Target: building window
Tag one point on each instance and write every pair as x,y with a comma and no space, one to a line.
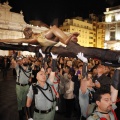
108,18
112,35
113,18
90,42
117,16
90,37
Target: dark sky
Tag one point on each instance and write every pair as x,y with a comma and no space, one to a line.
48,10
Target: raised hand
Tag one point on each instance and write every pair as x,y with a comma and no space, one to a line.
54,56
40,51
81,57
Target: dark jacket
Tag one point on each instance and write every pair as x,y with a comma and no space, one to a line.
103,80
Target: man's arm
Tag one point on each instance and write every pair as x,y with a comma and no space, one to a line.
85,63
29,102
14,63
83,84
28,105
54,67
115,85
114,94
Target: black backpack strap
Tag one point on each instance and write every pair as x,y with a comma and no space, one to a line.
41,89
25,71
35,90
19,73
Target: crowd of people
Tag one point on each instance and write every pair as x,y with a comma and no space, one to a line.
52,84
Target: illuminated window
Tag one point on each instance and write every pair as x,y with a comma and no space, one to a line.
117,16
108,18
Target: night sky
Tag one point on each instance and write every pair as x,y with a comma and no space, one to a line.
48,10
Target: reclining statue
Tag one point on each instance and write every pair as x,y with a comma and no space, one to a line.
47,40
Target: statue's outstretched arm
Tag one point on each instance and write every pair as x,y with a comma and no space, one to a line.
20,40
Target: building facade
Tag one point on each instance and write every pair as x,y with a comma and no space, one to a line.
12,25
112,31
93,33
91,30
100,38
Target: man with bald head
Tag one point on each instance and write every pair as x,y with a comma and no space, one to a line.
42,94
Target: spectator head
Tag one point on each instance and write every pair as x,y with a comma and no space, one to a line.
100,69
41,76
69,63
103,100
48,70
94,71
107,69
67,69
